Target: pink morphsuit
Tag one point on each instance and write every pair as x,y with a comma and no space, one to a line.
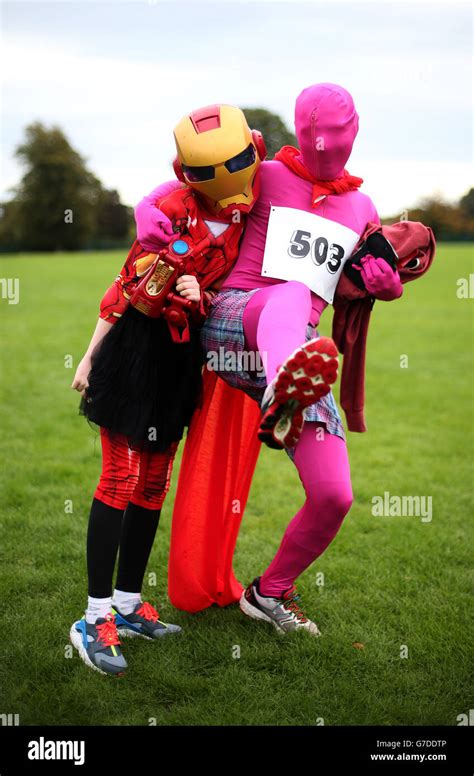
326,124
154,229
275,320
276,316
323,467
380,279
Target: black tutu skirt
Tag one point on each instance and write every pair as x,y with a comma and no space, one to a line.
142,384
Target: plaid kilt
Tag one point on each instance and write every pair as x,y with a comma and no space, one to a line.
223,334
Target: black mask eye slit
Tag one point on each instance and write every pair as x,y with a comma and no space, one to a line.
242,160
197,174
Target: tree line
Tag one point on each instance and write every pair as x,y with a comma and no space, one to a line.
59,204
449,221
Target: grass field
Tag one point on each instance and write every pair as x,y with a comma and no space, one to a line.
388,581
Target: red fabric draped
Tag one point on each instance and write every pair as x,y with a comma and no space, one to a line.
218,463
415,247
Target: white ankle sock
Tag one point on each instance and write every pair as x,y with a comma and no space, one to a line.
126,602
97,607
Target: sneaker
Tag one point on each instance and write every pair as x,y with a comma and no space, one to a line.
303,378
284,613
144,621
98,645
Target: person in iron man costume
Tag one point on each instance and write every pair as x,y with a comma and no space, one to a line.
141,376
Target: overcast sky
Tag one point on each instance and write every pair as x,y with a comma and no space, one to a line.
117,76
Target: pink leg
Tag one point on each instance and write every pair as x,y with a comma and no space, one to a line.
275,321
323,466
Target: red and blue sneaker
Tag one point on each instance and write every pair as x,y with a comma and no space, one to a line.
303,379
98,645
143,621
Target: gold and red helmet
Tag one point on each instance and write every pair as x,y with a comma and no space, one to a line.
218,156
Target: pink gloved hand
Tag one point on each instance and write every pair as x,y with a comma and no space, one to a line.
154,229
380,279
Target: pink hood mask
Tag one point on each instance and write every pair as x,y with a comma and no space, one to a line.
326,124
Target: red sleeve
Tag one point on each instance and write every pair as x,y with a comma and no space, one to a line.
116,299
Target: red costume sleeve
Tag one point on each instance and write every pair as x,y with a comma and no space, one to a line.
116,299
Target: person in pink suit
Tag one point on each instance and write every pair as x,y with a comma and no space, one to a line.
308,219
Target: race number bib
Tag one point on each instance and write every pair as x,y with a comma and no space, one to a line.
303,246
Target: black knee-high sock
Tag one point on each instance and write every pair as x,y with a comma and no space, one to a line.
103,538
136,540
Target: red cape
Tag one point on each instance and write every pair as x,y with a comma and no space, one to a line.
218,463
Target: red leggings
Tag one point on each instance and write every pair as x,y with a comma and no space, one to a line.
127,475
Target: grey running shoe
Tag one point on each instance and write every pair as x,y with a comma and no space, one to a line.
144,621
98,645
284,613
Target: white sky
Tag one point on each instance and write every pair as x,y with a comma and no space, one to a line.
117,76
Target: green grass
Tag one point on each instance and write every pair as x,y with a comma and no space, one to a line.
389,581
